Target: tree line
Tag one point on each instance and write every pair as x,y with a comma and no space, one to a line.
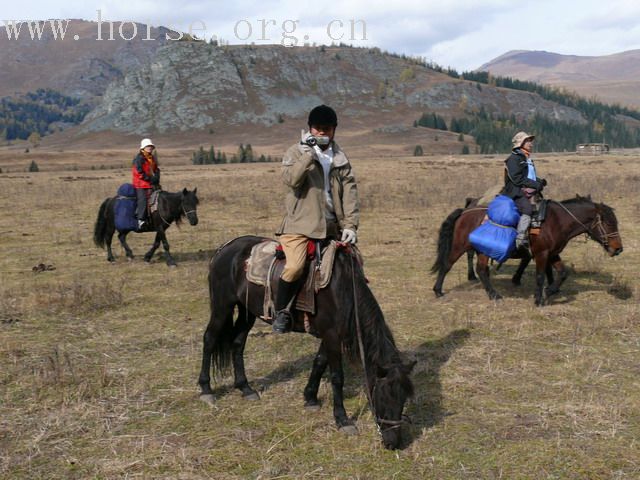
36,111
493,132
244,154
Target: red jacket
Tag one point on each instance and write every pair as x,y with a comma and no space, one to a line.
143,169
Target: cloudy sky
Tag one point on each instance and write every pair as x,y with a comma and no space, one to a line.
462,34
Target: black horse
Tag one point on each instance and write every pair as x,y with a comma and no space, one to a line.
172,207
348,316
565,220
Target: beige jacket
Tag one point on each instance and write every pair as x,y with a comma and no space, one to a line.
305,201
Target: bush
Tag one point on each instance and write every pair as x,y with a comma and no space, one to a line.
465,150
417,151
33,167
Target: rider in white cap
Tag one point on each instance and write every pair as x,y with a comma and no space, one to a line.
146,175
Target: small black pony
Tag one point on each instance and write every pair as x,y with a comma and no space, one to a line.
346,300
172,207
565,220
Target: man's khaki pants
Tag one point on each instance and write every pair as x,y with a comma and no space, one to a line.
295,251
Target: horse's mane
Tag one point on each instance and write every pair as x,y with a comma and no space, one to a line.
578,199
608,214
379,345
176,196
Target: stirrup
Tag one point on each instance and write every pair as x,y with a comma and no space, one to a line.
282,321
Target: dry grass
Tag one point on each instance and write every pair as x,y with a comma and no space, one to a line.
98,362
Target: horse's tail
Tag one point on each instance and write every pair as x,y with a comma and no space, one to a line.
222,300
445,241
100,229
222,348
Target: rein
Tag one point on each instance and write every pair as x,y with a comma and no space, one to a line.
597,223
368,389
186,213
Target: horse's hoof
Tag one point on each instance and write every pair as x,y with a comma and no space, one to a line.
348,430
172,265
253,396
516,283
495,296
473,279
312,406
551,291
129,259
438,293
207,398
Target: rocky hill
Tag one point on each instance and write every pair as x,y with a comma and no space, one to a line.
193,85
81,68
611,78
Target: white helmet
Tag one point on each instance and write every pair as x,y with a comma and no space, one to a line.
145,143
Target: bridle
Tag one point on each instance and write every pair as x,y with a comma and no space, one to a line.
597,225
379,421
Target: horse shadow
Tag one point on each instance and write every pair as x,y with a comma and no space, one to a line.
426,407
576,282
200,255
283,373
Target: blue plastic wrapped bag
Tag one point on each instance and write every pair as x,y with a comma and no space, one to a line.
503,211
125,208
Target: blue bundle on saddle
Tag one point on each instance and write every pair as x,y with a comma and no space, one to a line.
496,237
124,209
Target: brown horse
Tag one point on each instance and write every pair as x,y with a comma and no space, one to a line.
564,221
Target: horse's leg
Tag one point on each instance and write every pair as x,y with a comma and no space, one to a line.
110,230
334,358
311,390
122,236
482,267
152,250
556,263
243,324
471,274
456,252
542,260
165,243
524,261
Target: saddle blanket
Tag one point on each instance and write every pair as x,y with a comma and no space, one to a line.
264,268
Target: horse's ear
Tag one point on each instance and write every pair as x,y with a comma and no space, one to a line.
195,190
382,372
185,191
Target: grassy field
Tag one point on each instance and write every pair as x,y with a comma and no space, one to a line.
99,362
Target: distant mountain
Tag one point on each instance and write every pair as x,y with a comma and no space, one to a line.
611,78
192,92
193,85
79,68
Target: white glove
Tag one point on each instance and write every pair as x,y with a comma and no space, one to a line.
303,147
348,236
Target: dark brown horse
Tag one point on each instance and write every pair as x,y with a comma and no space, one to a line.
564,221
347,316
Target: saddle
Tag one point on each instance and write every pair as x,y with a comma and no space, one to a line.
266,262
539,215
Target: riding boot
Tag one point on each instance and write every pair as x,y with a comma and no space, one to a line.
522,239
283,320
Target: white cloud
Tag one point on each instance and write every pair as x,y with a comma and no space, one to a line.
459,33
